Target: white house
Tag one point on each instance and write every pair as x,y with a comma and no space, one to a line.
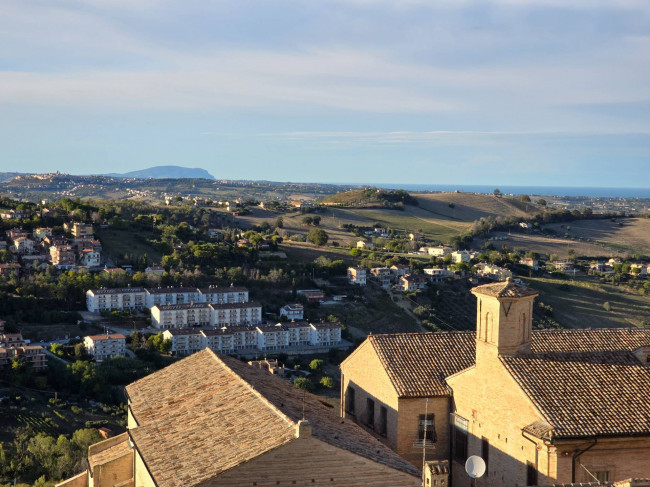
101,347
362,244
437,275
461,256
90,258
357,275
382,275
292,311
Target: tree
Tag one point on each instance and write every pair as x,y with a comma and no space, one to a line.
80,352
316,365
307,220
304,383
525,198
541,202
315,221
317,236
279,222
497,192
328,382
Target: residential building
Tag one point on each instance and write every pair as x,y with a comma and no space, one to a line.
437,275
530,262
362,244
180,315
90,258
312,295
493,272
23,246
461,256
541,407
292,311
638,269
299,333
382,275
272,337
224,294
163,296
155,270
357,275
14,347
15,215
235,425
325,334
101,347
81,229
437,251
412,282
42,232
63,256
185,341
205,314
415,237
98,300
15,233
399,270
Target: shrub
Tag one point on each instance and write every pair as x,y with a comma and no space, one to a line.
316,365
328,382
304,383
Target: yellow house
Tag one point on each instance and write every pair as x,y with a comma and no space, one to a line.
541,407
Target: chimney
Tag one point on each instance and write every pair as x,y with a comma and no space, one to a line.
303,429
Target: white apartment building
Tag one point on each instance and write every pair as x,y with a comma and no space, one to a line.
357,275
437,251
98,300
205,314
325,334
224,295
437,275
90,258
101,347
164,296
247,339
292,311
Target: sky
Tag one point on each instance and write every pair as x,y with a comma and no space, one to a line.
495,92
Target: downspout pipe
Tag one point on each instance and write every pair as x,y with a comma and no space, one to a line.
577,455
536,450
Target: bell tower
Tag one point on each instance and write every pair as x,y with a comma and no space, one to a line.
504,318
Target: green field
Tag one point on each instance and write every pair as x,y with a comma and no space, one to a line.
580,304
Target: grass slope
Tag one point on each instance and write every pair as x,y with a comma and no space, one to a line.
468,207
580,304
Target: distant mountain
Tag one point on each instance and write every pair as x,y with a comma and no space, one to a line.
166,172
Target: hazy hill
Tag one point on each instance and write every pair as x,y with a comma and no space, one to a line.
167,172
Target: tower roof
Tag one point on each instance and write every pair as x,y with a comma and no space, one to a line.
507,289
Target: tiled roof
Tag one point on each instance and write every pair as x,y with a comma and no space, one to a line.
193,426
417,363
113,336
171,290
507,289
586,393
117,290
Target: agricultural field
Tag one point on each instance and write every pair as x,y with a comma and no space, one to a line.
22,407
581,303
546,245
467,207
627,235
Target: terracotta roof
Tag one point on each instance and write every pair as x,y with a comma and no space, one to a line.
507,289
113,336
417,363
586,393
194,426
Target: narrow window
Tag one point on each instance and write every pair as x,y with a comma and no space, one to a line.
426,428
370,413
460,439
531,474
602,476
485,453
349,403
383,421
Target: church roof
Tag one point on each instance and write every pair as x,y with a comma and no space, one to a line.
585,393
193,426
507,289
418,363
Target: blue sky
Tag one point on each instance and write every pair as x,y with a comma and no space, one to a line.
536,92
